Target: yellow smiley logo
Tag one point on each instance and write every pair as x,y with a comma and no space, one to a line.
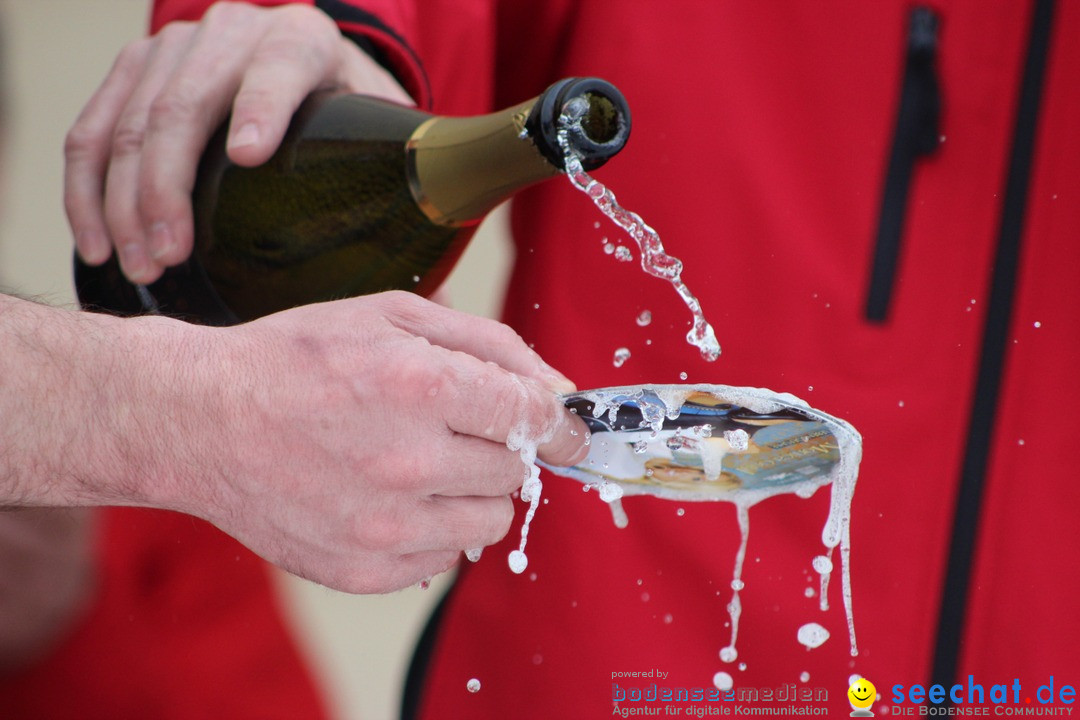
861,695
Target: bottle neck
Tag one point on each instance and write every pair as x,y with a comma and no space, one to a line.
462,168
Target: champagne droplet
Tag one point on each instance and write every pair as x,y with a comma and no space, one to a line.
518,561
812,635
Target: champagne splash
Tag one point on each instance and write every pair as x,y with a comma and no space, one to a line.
729,653
823,566
530,493
654,260
657,403
524,439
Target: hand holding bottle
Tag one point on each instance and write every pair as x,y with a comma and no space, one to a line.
131,156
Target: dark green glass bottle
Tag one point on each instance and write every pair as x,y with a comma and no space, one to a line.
362,196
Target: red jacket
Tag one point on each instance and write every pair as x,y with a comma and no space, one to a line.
185,624
761,151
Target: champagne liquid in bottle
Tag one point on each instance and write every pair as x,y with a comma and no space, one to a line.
362,196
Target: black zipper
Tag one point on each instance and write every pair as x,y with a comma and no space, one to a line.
992,360
916,135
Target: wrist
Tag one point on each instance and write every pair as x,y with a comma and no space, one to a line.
155,415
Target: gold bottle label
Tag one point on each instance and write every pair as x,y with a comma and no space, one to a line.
412,151
461,168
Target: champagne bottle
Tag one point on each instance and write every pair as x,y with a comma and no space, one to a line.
362,196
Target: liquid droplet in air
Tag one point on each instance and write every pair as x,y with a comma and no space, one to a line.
518,561
644,318
474,554
473,685
621,356
812,635
723,681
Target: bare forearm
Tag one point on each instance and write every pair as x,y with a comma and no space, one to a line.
73,397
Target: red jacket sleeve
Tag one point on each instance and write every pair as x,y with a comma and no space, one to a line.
386,29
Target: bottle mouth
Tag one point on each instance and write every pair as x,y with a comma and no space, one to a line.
601,121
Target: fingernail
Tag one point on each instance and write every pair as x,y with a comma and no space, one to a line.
248,134
94,247
162,243
134,261
559,383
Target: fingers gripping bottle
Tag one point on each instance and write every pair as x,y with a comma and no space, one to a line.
363,195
